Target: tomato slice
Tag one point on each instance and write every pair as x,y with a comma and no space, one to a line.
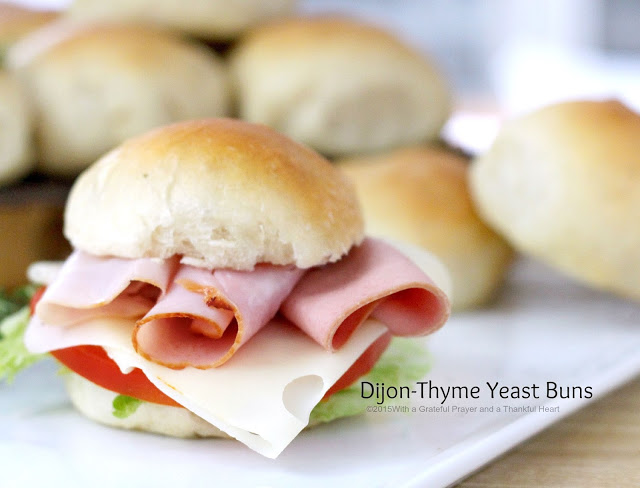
362,366
92,363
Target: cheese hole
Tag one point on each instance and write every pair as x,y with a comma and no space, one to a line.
302,394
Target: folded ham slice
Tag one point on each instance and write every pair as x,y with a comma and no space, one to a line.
90,286
189,316
206,316
374,279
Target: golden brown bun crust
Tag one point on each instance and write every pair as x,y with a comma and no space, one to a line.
208,19
338,85
93,87
17,22
561,183
420,195
220,192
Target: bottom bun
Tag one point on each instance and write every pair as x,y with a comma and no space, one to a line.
96,403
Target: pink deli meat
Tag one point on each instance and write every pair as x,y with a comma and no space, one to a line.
91,286
185,331
375,280
189,316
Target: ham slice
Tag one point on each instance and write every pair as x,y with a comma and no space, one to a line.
206,316
376,280
90,286
189,316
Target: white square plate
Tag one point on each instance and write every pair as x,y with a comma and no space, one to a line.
543,328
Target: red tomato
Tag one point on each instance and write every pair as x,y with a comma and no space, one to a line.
362,366
92,363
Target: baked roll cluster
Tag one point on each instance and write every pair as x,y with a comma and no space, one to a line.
104,72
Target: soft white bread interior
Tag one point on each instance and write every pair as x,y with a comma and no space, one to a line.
222,193
338,85
94,86
207,19
562,184
17,158
420,195
96,403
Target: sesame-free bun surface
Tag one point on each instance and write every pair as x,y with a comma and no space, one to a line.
338,85
16,154
220,192
94,86
420,195
96,403
17,21
207,19
562,184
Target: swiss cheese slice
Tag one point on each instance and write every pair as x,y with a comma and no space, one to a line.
263,396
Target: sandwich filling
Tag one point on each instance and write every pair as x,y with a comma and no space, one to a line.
221,342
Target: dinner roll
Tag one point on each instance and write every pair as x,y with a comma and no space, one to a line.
94,86
221,193
420,195
562,184
17,21
338,85
207,19
16,155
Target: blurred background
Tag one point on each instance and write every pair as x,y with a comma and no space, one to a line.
506,56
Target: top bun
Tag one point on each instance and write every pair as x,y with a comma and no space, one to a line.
207,19
561,184
222,193
341,86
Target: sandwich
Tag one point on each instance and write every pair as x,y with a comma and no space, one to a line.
221,285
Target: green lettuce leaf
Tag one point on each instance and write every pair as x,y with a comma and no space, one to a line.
404,362
124,405
14,356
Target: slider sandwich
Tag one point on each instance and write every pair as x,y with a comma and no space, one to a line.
222,283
